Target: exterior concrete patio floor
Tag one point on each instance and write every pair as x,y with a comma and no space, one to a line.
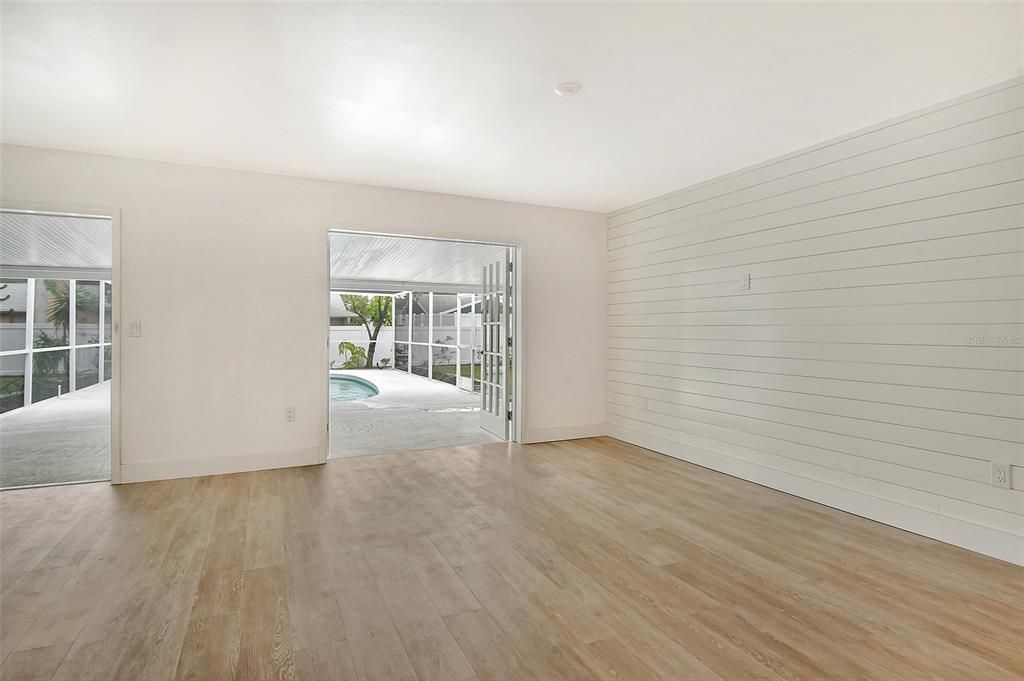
67,439
59,440
411,412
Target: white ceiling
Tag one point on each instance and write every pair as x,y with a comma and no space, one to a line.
35,240
459,98
398,259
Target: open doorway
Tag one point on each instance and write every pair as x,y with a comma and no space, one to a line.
56,348
422,343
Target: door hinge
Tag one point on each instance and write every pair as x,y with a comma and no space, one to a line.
510,341
510,267
509,414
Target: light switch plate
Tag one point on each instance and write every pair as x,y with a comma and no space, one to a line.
745,282
135,329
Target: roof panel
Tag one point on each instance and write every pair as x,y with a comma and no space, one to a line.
40,240
387,258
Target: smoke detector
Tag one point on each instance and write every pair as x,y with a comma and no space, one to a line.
568,89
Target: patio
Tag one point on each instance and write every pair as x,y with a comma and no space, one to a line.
62,439
411,412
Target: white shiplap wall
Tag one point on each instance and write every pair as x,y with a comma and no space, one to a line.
850,373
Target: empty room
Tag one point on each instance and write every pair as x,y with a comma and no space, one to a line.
512,341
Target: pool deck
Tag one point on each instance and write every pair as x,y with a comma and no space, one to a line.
63,439
67,439
411,412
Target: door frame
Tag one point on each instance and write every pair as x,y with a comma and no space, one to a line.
114,215
518,333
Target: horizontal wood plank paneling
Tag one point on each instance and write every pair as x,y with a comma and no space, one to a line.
877,362
972,234
979,106
951,400
967,172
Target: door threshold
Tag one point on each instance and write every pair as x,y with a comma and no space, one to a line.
54,484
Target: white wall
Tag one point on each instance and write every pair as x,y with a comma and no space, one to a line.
852,372
227,271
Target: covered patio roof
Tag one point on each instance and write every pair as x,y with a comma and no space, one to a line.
55,246
386,264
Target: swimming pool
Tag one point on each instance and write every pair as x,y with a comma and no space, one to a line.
347,388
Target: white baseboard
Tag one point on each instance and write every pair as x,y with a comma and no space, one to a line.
986,540
535,435
144,471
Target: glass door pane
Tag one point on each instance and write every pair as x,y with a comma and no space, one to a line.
443,366
12,382
87,312
50,374
87,367
402,356
107,311
402,318
421,360
420,311
52,314
13,307
445,307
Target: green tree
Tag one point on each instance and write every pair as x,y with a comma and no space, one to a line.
374,312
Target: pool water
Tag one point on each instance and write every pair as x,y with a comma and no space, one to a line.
347,388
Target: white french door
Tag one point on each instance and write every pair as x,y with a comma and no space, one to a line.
496,407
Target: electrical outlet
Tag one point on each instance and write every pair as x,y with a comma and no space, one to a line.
1000,474
289,413
745,281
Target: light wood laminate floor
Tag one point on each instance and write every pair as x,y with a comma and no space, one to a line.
581,560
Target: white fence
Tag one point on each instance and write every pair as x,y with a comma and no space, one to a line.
385,348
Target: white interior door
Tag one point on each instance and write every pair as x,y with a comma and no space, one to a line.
496,407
